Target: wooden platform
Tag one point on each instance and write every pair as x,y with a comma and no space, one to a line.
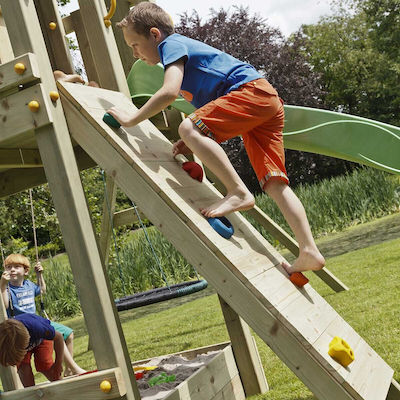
297,324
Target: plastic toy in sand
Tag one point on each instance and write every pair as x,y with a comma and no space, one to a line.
162,378
222,225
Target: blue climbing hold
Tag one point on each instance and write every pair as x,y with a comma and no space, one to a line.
222,226
111,121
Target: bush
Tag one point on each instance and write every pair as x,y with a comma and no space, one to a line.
336,203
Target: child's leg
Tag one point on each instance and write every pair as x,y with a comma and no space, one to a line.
71,367
214,157
26,375
309,257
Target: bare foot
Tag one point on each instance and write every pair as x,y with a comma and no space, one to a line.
308,260
76,371
238,200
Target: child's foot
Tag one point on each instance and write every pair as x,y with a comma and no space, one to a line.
308,260
238,200
76,371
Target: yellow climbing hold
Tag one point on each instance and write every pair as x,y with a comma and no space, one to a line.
34,106
54,95
340,351
105,386
52,26
19,68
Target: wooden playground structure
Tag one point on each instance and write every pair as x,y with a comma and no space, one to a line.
49,132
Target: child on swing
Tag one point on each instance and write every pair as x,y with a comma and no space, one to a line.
19,295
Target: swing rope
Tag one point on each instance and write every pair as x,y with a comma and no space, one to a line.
42,309
115,239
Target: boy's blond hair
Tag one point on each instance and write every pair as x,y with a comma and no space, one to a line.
18,259
14,339
144,16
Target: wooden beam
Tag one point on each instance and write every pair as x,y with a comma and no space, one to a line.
394,391
80,387
104,49
20,158
9,78
58,158
68,24
16,180
6,52
127,217
17,121
56,43
245,352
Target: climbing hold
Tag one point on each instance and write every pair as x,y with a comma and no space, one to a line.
111,121
298,279
34,106
194,170
19,68
105,386
222,226
54,96
340,351
52,26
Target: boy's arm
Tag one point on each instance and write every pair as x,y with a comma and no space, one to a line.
41,282
165,96
5,277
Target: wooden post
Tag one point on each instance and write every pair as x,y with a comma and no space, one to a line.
58,158
54,35
394,391
6,53
245,352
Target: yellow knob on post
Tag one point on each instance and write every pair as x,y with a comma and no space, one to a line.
52,26
105,386
19,68
54,96
34,106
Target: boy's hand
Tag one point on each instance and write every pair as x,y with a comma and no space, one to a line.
55,371
180,147
5,278
124,118
38,267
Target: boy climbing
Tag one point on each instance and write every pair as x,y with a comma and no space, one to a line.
232,99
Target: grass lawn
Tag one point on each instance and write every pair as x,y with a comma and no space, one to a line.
367,263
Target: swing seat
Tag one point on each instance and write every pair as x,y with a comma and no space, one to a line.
160,294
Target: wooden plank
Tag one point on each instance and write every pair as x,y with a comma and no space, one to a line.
209,380
16,119
20,158
232,390
188,231
56,43
10,79
6,52
84,46
81,387
68,24
104,49
245,352
15,180
65,185
127,217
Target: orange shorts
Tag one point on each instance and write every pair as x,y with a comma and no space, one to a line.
255,112
43,356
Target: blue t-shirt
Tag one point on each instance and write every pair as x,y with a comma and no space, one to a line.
209,73
39,328
23,298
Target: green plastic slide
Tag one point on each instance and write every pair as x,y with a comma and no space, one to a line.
317,131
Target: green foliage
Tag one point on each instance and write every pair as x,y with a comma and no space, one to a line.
337,203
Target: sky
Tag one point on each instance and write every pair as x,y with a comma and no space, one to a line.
287,15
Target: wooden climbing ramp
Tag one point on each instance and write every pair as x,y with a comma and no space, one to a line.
297,324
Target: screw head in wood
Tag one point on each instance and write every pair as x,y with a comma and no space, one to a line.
105,386
54,96
52,26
